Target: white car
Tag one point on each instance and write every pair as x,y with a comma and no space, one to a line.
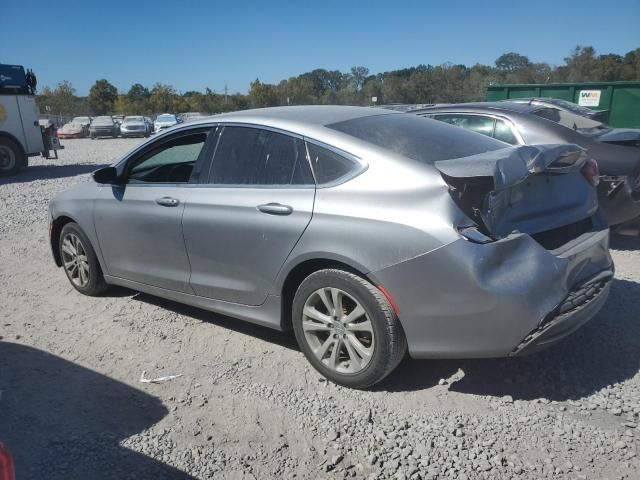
165,120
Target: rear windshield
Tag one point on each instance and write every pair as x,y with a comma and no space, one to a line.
421,139
571,120
166,118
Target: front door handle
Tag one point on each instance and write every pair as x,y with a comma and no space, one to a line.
168,201
275,209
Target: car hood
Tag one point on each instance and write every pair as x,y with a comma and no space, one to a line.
132,124
71,128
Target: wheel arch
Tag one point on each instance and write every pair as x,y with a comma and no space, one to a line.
291,280
54,236
15,140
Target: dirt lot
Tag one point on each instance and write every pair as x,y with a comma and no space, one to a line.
249,406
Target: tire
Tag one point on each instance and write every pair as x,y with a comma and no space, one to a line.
12,158
381,340
91,282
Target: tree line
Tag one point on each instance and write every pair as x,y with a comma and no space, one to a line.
420,84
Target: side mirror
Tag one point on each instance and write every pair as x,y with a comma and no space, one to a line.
107,175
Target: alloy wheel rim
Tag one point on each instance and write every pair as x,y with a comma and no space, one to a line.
7,158
74,258
338,330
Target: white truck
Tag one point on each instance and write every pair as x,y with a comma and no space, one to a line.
21,135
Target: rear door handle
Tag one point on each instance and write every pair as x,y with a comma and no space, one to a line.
275,209
168,201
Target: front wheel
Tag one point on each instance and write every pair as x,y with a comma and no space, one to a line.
346,328
79,261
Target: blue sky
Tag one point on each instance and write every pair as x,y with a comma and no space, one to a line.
192,44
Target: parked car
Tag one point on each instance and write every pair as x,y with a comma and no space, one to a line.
528,124
71,130
134,126
104,126
368,232
163,121
560,104
85,122
192,116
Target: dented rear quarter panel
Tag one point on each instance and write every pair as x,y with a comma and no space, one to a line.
472,300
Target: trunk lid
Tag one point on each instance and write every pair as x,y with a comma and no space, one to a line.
528,189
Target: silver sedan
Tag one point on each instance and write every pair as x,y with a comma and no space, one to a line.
369,233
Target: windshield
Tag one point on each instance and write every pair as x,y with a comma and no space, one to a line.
571,120
421,139
103,121
166,118
133,120
80,120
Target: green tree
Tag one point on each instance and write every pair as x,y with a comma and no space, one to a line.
511,61
358,77
102,97
162,98
263,94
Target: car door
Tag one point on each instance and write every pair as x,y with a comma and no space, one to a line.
139,222
243,221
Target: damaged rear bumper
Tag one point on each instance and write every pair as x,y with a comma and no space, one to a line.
499,299
578,308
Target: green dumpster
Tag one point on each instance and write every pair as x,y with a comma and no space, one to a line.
620,99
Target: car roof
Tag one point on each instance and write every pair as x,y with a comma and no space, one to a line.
317,115
495,107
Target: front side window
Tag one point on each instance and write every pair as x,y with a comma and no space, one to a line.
504,133
253,156
170,162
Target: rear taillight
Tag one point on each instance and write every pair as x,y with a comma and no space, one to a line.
7,470
591,172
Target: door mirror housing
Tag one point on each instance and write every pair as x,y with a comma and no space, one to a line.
107,175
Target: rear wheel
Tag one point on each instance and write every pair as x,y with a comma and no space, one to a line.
12,158
346,328
80,262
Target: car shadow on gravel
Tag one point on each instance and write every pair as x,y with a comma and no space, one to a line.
63,421
603,352
282,339
48,172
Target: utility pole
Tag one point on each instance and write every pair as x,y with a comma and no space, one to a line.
225,93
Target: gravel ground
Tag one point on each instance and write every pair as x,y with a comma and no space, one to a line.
249,406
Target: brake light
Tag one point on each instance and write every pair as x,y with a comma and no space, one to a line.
591,172
7,469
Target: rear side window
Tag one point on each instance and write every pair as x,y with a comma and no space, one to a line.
328,165
253,156
504,133
421,139
475,123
